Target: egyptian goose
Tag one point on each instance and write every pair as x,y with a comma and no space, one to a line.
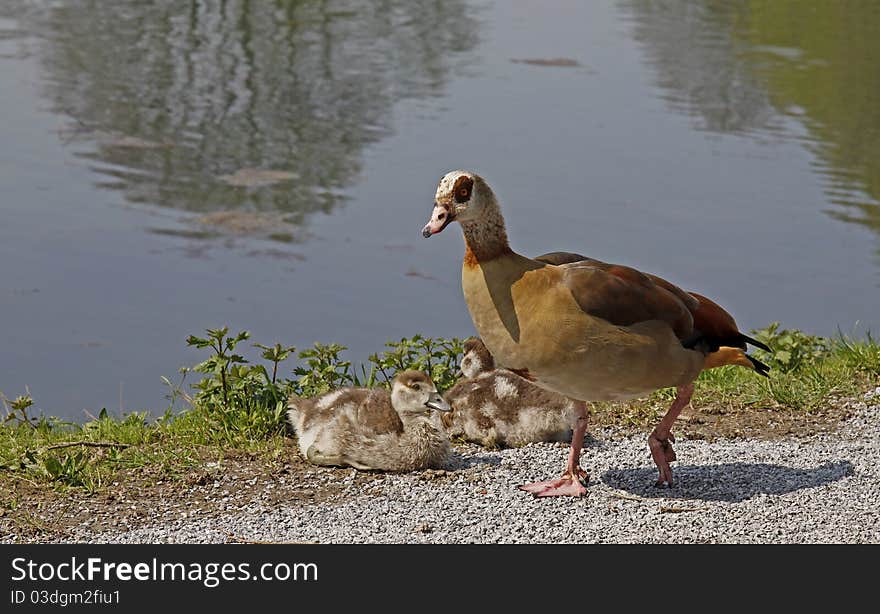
496,407
581,327
373,429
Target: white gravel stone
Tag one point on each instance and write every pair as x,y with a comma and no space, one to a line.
824,488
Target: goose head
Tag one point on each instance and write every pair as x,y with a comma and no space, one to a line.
462,196
413,393
476,358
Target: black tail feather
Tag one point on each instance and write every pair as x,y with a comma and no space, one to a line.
760,367
709,343
756,343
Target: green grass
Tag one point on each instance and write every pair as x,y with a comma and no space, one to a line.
238,406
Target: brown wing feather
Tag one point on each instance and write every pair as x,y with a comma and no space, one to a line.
625,296
710,321
560,258
375,413
718,328
685,297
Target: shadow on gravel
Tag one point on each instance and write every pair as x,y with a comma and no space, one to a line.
728,481
458,462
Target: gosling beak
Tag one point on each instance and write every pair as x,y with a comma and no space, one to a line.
440,218
437,402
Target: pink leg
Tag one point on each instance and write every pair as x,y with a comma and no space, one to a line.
572,481
660,440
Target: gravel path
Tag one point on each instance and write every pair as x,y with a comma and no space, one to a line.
825,488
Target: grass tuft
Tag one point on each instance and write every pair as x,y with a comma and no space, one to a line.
237,405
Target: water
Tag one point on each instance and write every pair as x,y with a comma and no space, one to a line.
732,147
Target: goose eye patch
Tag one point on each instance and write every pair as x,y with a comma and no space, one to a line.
462,188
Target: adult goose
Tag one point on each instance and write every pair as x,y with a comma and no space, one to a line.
581,327
368,428
496,407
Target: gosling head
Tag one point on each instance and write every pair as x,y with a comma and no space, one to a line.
413,393
461,196
476,358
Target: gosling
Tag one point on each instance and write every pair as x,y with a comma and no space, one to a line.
497,408
372,429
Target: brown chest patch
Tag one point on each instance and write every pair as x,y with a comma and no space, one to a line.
470,259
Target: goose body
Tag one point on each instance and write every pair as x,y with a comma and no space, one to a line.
372,428
528,313
496,407
581,327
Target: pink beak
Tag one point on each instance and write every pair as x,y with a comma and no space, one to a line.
440,219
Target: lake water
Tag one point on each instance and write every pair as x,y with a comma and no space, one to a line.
172,166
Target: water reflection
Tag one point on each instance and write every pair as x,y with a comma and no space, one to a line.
233,105
746,66
693,48
834,82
